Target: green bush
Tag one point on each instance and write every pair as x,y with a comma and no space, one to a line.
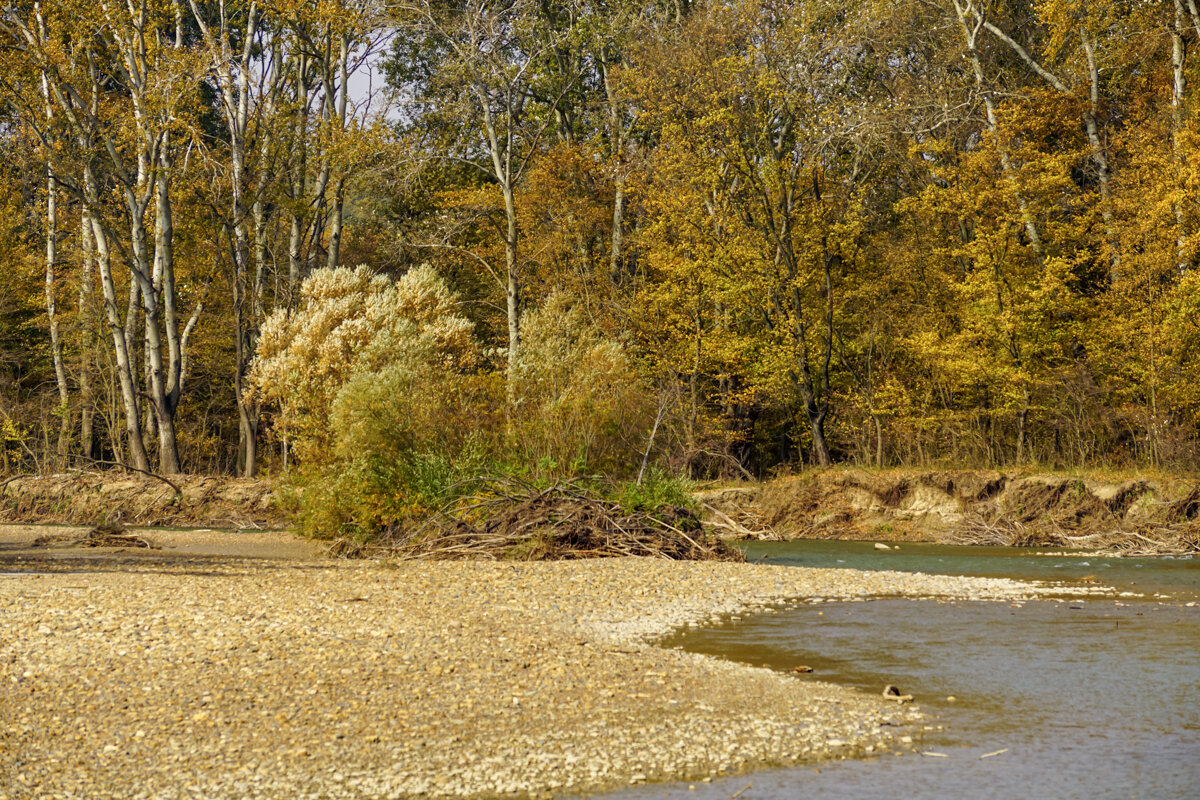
580,405
379,389
658,489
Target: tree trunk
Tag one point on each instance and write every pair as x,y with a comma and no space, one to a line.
1178,93
298,185
247,441
167,379
56,351
617,244
87,403
878,441
512,289
816,421
336,96
1100,157
1090,120
133,428
617,138
334,253
1022,419
970,36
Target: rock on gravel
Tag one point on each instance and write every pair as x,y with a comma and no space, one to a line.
243,678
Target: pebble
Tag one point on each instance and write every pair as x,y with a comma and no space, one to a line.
232,678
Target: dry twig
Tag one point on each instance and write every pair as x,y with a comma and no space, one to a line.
511,519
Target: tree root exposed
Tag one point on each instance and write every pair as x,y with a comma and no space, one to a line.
508,519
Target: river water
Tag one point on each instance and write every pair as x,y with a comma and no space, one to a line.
1087,699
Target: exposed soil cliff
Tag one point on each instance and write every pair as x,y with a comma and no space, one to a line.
90,498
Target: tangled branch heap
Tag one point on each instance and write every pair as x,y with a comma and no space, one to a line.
509,519
1181,538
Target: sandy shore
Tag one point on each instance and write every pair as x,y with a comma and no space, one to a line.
187,676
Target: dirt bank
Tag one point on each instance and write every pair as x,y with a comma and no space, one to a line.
949,505
89,498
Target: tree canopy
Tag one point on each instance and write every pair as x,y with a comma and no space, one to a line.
733,237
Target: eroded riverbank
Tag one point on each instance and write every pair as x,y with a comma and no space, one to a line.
293,678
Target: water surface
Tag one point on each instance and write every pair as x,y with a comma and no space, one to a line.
1178,577
1088,699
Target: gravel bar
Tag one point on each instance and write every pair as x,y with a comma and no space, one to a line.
291,678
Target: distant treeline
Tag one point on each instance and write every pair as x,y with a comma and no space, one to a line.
749,236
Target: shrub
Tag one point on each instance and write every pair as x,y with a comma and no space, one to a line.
658,489
579,403
351,322
376,390
379,390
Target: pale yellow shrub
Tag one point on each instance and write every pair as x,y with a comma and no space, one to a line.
351,322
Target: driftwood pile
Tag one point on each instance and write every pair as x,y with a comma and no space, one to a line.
741,523
105,535
506,519
1170,539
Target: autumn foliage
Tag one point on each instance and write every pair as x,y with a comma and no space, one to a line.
717,239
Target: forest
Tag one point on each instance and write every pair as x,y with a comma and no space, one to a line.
406,241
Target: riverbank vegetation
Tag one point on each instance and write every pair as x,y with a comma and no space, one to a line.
636,239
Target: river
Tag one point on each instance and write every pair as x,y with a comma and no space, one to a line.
1096,698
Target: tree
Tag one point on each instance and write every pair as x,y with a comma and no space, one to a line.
470,69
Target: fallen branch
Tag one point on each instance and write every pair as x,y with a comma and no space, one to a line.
16,477
1178,538
172,484
511,519
728,523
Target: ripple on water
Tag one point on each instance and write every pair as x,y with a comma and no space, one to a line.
1086,699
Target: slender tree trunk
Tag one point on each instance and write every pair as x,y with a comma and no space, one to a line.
337,95
334,224
148,274
512,290
1022,420
617,138
615,268
814,395
56,350
1100,156
167,385
970,37
878,441
247,419
295,257
298,185
1090,120
693,434
1178,93
133,428
233,74
87,403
